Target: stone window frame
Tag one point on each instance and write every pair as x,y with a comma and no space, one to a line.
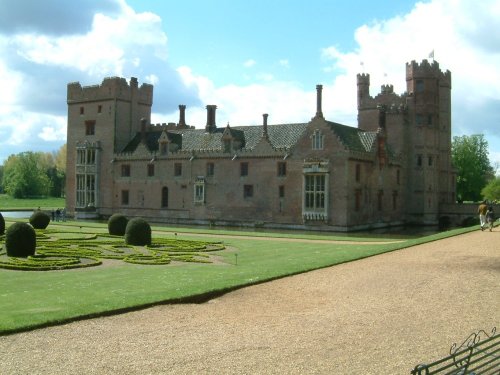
317,140
199,191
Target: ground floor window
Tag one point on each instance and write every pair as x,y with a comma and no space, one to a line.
315,192
125,197
247,191
164,197
315,196
85,190
199,191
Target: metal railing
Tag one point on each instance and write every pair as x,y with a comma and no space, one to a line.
478,354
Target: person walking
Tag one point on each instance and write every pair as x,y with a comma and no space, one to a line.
490,217
481,210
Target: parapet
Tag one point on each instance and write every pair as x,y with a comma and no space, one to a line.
111,88
425,69
363,79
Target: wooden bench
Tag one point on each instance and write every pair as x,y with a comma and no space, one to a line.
478,354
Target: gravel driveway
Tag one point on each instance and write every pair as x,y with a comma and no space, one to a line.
381,315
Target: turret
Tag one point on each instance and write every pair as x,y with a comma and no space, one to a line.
363,88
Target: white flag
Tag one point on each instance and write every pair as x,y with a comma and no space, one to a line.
431,55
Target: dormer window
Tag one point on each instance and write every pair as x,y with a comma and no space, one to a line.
227,145
317,140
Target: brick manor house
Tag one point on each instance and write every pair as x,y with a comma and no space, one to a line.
394,168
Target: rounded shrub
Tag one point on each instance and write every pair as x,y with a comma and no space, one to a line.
2,224
138,232
39,220
117,224
20,240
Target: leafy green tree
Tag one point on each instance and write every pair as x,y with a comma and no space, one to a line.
24,176
492,190
470,157
1,179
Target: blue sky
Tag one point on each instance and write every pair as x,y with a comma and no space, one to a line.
248,58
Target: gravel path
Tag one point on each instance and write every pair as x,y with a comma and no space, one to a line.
380,315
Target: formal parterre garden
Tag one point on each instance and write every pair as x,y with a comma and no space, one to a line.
79,270
61,250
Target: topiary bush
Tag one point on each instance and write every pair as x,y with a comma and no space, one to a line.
39,220
117,224
2,225
138,232
20,240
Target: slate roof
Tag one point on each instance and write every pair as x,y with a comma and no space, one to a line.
283,136
353,138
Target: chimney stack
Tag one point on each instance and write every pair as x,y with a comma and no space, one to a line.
211,118
319,112
264,129
182,116
143,130
381,115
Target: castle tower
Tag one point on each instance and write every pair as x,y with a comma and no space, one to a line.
101,120
430,173
363,81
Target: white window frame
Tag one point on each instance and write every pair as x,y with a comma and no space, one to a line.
199,191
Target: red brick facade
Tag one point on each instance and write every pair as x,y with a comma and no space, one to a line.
394,168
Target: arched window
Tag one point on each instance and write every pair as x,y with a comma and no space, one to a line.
164,197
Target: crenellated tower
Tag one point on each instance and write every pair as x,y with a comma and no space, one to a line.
418,129
101,121
431,176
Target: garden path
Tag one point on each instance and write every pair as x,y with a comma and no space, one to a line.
380,315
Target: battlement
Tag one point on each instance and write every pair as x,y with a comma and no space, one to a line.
111,88
425,69
387,89
363,79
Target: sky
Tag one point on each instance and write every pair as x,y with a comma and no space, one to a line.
246,57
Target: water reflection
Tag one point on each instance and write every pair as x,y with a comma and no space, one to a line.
402,232
17,214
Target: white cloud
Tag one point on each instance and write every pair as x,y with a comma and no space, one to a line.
249,63
459,32
284,63
36,63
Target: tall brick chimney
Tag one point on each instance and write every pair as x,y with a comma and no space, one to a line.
319,112
143,130
264,126
211,118
381,115
182,116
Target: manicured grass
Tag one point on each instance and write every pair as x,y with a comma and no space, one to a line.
39,298
9,203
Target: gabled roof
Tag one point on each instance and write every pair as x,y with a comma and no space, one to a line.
283,136
353,139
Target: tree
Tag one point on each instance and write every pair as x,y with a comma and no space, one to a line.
470,157
1,179
492,190
24,176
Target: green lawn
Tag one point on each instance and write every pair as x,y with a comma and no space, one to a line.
32,299
9,203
